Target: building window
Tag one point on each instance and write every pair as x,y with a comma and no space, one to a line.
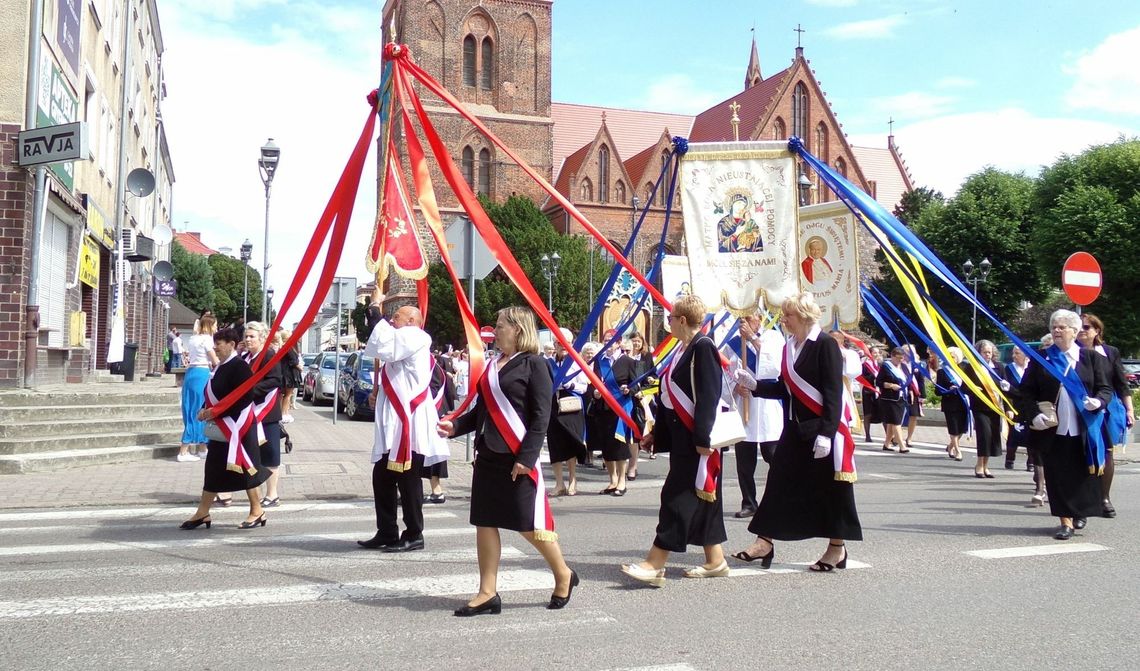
586,191
779,130
487,64
664,162
800,112
619,192
485,172
469,60
604,174
469,166
841,167
648,193
821,142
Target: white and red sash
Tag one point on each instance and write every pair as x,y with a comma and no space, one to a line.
842,444
513,430
237,459
404,402
709,465
261,410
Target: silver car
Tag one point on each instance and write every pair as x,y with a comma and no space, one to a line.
324,380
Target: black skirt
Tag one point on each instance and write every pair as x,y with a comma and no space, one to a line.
957,422
891,411
496,500
219,479
1073,491
438,470
987,429
564,437
684,518
613,448
802,499
870,407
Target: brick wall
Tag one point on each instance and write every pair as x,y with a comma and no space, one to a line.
16,187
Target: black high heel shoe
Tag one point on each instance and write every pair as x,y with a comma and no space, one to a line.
823,567
492,606
765,560
194,524
250,525
557,602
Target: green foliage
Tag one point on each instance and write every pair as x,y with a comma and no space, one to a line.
195,279
357,318
229,278
1091,202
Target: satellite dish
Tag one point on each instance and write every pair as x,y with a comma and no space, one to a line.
162,234
140,182
163,270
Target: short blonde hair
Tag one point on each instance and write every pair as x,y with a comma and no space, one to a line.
955,354
259,328
206,325
692,308
522,319
590,350
803,305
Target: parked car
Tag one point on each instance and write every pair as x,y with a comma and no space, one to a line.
308,359
319,383
1132,372
355,386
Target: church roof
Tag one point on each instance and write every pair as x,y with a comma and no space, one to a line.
636,165
715,123
570,167
885,168
632,130
191,241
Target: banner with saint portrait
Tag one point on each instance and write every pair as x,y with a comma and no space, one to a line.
829,261
675,278
739,204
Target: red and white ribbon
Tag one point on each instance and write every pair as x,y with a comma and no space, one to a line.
237,459
404,402
709,465
842,444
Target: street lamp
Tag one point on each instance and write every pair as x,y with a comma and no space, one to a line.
246,255
983,271
267,165
550,270
268,301
805,189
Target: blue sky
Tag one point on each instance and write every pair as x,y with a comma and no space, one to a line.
1012,84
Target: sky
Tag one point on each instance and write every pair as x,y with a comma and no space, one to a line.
1012,84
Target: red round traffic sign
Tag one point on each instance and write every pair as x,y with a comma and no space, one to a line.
487,334
1081,278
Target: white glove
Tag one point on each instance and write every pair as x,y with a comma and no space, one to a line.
745,379
1038,423
1092,404
822,447
1004,384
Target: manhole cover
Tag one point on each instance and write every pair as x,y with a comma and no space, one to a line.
315,469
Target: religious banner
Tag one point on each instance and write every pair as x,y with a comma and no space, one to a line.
739,204
395,241
829,262
675,277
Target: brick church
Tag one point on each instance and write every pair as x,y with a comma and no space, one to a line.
494,55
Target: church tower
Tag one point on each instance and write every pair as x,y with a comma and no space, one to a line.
753,76
494,56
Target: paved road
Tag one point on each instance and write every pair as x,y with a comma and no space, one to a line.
955,573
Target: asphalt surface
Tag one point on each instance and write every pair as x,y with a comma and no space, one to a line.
121,586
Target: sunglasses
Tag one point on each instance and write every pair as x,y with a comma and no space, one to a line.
1086,327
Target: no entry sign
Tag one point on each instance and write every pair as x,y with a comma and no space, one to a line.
487,334
1081,278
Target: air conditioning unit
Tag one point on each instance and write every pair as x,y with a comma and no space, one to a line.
129,241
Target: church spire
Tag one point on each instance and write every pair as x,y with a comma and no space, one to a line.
753,77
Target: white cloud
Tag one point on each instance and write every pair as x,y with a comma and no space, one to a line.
833,3
955,82
1107,78
679,94
867,29
913,105
234,83
944,151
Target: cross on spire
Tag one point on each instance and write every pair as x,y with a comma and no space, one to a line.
799,34
891,125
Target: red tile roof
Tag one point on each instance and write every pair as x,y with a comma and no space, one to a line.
886,168
715,123
191,241
570,167
631,130
636,165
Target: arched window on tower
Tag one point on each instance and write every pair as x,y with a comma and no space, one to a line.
586,190
487,64
648,193
821,142
841,167
469,166
619,192
800,112
485,172
779,129
469,60
665,162
604,174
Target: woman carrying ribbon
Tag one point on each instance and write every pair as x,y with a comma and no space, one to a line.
566,440
233,460
510,418
892,385
809,492
952,401
987,421
692,508
1066,404
266,406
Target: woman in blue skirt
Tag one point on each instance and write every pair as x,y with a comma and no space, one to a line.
200,359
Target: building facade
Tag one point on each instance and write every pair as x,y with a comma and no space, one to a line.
97,62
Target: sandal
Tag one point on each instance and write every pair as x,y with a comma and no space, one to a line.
823,567
608,491
765,559
225,503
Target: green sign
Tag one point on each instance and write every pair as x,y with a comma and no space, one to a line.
57,104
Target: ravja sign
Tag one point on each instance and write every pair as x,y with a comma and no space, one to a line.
53,144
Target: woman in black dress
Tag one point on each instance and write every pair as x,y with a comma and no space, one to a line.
809,492
683,423
1092,336
566,440
608,432
642,360
870,374
951,401
1074,491
987,422
510,419
221,476
267,405
891,383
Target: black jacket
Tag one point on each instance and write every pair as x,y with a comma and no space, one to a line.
951,400
820,364
274,379
977,405
1039,385
525,381
700,363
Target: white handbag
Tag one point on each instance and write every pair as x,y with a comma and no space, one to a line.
213,432
728,427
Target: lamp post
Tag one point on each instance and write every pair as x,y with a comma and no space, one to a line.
550,270
268,303
805,189
246,255
267,165
982,272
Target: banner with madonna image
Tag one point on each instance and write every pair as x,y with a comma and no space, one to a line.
829,262
739,204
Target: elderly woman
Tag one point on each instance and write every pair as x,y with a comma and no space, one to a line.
200,360
245,473
987,422
891,383
642,360
1091,336
1059,424
690,397
267,405
809,492
566,440
1018,435
952,401
510,419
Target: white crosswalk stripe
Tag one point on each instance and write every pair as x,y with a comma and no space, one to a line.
227,518
1036,550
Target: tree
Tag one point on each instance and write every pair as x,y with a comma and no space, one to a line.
195,279
1091,202
229,280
